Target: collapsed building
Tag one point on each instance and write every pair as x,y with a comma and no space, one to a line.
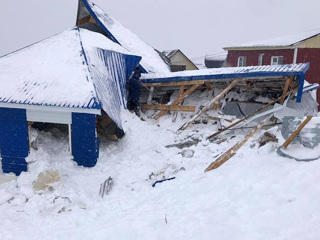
78,78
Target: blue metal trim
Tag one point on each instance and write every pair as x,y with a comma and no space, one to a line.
301,83
95,17
220,76
96,104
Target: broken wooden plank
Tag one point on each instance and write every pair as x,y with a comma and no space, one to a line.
179,99
209,104
285,90
252,114
150,95
172,84
175,114
86,19
208,85
169,108
296,132
233,150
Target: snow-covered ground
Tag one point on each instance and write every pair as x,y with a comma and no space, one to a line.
255,195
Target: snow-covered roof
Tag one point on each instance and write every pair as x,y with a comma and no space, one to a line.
216,56
231,73
284,41
170,53
225,73
151,60
67,70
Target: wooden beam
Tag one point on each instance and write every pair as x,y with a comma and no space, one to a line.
208,85
172,84
179,99
233,150
285,90
209,104
252,114
296,132
169,108
86,19
175,114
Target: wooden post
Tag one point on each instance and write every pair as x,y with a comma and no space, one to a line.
209,104
233,150
296,132
175,114
150,95
252,114
285,90
179,99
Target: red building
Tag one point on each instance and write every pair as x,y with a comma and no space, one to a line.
298,48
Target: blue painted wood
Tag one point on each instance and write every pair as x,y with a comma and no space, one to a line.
13,140
85,145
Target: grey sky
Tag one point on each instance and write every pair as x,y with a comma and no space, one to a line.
196,27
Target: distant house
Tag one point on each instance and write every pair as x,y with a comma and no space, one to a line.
217,60
297,48
179,61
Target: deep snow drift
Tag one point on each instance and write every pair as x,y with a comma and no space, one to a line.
255,195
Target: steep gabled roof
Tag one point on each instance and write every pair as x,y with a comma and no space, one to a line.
68,71
170,53
151,60
284,41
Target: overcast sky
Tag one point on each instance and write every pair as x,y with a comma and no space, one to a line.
197,27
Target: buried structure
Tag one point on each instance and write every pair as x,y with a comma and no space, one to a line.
69,78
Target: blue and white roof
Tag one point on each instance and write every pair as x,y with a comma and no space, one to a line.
69,71
227,73
151,60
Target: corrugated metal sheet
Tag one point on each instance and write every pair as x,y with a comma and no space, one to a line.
151,60
109,71
50,73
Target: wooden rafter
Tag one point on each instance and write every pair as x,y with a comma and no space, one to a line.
175,114
233,150
86,19
296,132
209,104
179,99
208,85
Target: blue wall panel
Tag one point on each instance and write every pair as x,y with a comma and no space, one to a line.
85,147
13,140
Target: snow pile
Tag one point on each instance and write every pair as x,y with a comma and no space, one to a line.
255,195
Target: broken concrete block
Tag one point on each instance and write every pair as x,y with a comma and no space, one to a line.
46,179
